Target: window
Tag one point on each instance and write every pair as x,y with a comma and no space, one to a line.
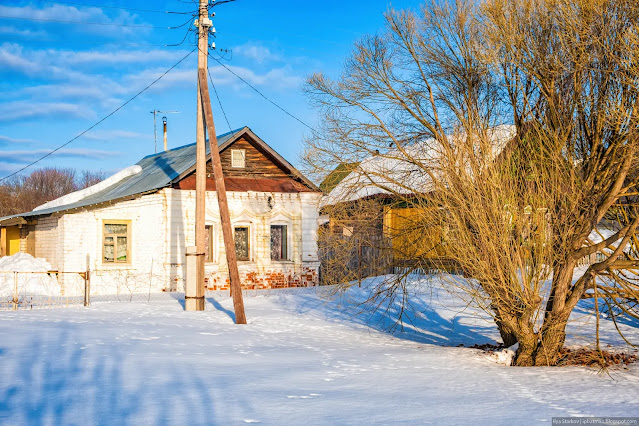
278,242
209,242
242,242
116,242
238,157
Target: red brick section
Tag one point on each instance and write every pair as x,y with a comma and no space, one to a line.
263,281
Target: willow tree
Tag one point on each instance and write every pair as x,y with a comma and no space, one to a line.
520,203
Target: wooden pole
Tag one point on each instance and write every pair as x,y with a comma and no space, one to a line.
195,302
87,282
225,216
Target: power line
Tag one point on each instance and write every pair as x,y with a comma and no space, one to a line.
219,102
43,41
63,21
260,93
101,120
229,124
116,7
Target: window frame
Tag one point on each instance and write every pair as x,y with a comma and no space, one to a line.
241,152
212,254
248,242
115,244
285,246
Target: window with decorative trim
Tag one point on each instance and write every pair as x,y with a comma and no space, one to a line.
238,158
116,241
279,242
209,241
242,245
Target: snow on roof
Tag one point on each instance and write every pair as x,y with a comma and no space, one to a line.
397,172
91,190
150,174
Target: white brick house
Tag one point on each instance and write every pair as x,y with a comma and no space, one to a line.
132,230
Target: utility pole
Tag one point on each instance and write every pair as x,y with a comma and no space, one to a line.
194,297
155,129
225,216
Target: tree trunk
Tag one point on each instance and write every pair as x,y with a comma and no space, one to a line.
524,357
508,335
558,310
548,348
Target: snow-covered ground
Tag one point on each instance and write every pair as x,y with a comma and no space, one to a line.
302,359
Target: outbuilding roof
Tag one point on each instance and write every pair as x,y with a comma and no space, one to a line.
157,171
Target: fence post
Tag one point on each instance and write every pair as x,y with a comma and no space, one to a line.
87,283
15,291
87,288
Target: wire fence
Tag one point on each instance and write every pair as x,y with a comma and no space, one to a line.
32,290
37,290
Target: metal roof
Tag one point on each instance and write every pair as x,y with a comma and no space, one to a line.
158,171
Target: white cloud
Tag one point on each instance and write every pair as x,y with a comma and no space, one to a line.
117,57
6,168
281,78
174,78
86,14
35,63
9,140
22,110
256,52
113,135
21,32
25,156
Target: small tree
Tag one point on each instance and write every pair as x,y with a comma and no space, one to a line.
520,203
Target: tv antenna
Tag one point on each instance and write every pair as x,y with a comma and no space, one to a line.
155,130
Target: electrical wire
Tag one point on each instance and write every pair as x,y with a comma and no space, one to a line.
221,2
229,124
188,30
116,7
63,21
261,94
101,120
219,101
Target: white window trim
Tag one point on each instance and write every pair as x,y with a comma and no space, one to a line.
251,240
238,163
289,241
114,265
213,245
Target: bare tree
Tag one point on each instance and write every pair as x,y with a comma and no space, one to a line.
23,193
89,178
519,204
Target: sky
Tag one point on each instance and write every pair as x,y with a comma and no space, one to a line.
57,79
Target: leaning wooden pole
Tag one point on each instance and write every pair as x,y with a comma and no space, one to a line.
225,216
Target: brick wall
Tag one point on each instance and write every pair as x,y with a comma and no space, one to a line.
47,239
268,279
163,225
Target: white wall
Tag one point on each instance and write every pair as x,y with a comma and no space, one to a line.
163,225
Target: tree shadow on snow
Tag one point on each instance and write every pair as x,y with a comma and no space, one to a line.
64,374
424,319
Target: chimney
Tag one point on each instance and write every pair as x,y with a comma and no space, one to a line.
164,121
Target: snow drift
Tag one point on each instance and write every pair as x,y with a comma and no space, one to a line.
32,276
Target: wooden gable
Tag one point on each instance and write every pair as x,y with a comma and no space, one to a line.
262,172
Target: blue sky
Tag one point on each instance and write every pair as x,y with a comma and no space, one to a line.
57,79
